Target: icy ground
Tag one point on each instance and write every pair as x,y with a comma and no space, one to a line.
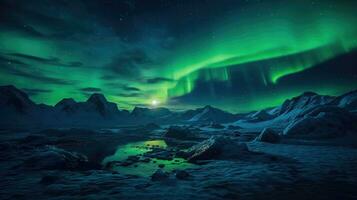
288,170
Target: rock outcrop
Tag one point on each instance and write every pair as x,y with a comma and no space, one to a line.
268,135
217,147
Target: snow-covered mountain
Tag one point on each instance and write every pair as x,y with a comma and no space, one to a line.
18,110
302,108
96,104
208,114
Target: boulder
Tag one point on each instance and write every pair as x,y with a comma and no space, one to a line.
268,135
35,140
52,158
182,174
178,132
217,147
49,179
159,175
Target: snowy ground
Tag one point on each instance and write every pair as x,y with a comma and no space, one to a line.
291,170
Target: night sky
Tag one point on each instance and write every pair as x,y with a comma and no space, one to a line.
233,54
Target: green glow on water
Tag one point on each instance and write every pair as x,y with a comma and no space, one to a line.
145,169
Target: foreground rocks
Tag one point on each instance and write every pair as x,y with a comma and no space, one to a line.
159,175
182,175
216,147
177,132
268,135
53,158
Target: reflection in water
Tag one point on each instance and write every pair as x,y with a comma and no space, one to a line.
144,168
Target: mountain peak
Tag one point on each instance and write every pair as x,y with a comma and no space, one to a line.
11,96
66,101
208,107
308,93
97,97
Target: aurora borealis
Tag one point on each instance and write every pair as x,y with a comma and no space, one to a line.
236,55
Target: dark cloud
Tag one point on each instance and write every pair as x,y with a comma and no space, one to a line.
123,87
108,78
10,61
132,94
130,63
159,80
129,88
11,67
35,76
90,89
29,18
142,105
49,61
33,92
75,64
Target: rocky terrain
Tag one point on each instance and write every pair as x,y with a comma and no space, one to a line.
303,149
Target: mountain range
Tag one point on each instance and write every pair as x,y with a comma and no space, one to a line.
18,110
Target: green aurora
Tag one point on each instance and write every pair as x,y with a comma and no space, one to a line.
271,40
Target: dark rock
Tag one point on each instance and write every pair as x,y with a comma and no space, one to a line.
88,189
133,158
161,154
237,133
178,132
5,146
49,179
145,160
159,175
111,164
50,158
126,163
35,140
142,186
268,135
161,165
182,154
182,174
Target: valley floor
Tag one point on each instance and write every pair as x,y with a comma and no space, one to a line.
289,170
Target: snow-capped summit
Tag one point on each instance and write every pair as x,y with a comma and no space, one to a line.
208,114
305,101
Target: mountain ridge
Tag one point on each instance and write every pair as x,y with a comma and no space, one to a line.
20,110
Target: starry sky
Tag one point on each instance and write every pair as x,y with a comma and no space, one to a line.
238,55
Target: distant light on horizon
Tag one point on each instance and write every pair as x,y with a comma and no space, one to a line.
155,102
